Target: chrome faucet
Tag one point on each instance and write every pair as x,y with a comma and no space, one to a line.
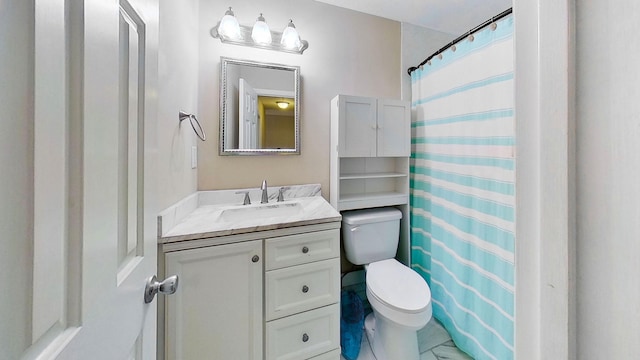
265,195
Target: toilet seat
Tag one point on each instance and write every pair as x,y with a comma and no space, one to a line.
397,286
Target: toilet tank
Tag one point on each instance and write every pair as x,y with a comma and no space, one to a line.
370,235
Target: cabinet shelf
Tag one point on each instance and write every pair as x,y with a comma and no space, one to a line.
368,200
379,175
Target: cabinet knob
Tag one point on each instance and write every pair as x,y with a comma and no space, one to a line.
305,289
305,337
255,258
305,250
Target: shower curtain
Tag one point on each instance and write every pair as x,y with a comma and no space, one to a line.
463,189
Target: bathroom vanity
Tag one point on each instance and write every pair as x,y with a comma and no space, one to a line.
257,281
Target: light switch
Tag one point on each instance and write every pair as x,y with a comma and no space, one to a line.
194,157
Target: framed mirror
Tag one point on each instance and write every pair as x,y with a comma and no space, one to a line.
259,108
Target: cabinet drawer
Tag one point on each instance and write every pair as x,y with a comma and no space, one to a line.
304,287
305,335
302,248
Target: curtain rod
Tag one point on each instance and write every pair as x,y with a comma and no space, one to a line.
461,37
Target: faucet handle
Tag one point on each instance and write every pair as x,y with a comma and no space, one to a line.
247,199
281,193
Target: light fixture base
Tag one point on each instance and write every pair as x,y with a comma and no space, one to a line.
246,40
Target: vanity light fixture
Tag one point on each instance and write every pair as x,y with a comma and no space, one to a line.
229,31
290,38
260,32
229,26
282,104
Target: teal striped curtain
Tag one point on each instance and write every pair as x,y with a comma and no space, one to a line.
463,189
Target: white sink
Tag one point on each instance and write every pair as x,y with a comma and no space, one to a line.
248,212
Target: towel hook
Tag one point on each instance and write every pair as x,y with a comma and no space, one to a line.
195,124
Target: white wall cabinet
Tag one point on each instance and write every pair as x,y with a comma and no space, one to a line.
372,127
270,295
370,151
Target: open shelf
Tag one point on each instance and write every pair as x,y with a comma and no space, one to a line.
377,175
367,200
372,182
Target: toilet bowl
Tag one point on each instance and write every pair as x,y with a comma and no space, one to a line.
401,303
399,297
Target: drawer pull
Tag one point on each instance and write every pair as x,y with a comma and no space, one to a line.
305,250
305,289
255,258
305,337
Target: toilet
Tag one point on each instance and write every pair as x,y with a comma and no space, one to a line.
399,297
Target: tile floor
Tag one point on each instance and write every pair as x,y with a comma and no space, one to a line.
434,343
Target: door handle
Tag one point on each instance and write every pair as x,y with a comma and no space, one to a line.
166,287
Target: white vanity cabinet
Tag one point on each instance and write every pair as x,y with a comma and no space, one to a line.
270,295
217,312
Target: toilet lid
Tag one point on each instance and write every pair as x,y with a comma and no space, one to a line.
398,286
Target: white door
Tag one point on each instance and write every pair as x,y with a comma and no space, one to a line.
89,224
248,129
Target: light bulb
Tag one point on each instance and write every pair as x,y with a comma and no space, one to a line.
229,27
282,104
290,38
261,33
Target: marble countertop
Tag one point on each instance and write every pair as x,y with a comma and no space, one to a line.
205,214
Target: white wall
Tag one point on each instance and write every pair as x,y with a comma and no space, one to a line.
16,171
417,44
545,320
608,174
349,53
178,90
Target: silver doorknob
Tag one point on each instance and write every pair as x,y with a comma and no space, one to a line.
167,287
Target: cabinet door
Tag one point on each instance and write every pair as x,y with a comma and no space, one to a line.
217,311
394,128
357,126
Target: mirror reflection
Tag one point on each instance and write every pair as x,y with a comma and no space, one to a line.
259,108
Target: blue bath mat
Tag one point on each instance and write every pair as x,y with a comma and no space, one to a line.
351,323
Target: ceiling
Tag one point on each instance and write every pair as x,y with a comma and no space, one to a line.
449,16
